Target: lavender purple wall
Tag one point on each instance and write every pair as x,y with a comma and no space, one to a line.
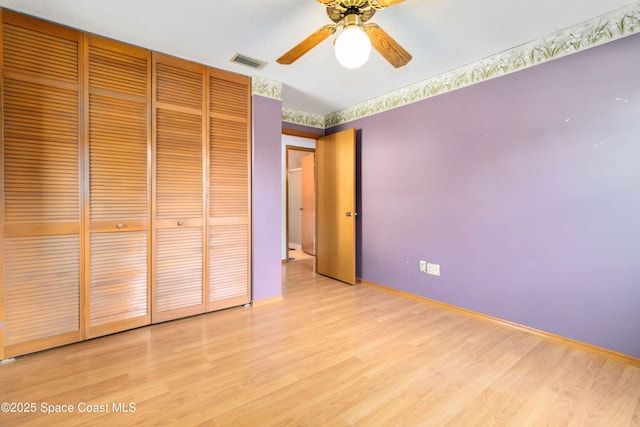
267,131
525,189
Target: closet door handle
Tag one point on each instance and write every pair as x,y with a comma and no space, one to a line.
180,223
120,226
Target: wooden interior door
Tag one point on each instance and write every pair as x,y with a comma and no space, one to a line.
336,206
229,222
179,196
118,115
309,204
41,208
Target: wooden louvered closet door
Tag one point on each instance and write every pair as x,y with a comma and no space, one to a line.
229,190
125,194
179,150
41,210
119,134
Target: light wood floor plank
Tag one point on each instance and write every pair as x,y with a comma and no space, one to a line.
328,354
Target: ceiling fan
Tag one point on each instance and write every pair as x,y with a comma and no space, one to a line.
353,45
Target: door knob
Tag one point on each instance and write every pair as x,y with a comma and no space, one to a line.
351,214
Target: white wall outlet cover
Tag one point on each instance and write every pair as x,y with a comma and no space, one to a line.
433,269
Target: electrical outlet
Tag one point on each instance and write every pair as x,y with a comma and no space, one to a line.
423,266
433,269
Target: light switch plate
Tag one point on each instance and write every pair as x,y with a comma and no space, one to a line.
423,266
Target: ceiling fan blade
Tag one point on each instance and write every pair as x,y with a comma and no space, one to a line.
306,45
386,46
381,4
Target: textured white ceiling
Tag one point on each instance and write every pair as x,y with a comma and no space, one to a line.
440,34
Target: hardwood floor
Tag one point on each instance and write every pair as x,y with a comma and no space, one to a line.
296,252
329,354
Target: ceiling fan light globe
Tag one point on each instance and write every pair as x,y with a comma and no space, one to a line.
353,47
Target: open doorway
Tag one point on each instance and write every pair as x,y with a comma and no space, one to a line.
300,203
306,143
335,201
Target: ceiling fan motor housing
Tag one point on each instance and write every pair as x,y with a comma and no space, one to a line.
361,4
337,11
353,3
351,20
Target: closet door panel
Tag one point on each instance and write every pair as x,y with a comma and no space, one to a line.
178,165
179,265
229,191
42,291
179,225
41,179
119,273
228,265
178,249
229,179
40,49
118,99
41,206
118,160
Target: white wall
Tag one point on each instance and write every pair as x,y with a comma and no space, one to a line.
296,142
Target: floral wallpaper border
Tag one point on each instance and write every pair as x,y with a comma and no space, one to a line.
605,28
266,87
290,115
